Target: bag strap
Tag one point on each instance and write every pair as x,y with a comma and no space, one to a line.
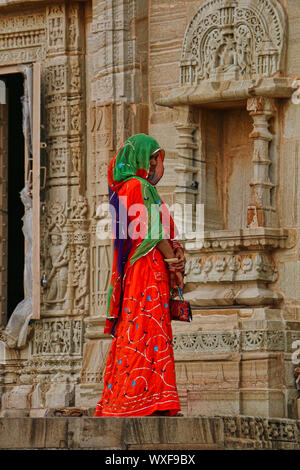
180,293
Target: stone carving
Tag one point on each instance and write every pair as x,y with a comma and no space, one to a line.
55,215
78,213
260,211
56,79
73,27
206,342
78,209
261,339
230,267
101,126
22,38
75,74
81,278
76,161
235,341
66,257
75,117
233,40
58,161
101,144
112,32
56,29
56,255
263,239
262,431
57,115
57,337
57,266
124,123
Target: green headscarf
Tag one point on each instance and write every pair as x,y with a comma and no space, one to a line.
133,158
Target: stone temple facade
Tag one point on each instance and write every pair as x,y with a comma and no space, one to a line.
215,82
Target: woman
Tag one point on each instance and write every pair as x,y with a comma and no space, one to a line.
139,378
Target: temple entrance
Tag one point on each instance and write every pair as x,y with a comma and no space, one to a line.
12,176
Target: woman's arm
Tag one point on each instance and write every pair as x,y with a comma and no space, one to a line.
166,249
176,277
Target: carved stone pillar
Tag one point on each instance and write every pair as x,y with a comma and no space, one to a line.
260,211
186,185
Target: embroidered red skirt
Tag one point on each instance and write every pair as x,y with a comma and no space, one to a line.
139,378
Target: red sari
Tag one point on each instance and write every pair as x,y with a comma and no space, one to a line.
140,372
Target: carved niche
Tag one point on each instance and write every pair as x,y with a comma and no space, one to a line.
234,40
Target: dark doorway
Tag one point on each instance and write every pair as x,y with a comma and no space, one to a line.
16,169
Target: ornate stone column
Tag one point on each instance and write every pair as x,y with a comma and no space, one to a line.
260,211
186,185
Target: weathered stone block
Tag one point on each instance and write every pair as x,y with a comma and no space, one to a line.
263,403
60,395
212,402
96,433
17,397
262,372
210,375
94,360
87,395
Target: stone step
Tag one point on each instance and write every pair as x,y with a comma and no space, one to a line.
171,433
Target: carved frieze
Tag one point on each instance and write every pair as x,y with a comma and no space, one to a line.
230,341
22,38
234,40
258,239
261,431
56,28
238,267
64,116
57,337
58,161
206,342
65,257
29,37
64,157
56,79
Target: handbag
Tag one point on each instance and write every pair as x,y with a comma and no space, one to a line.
180,309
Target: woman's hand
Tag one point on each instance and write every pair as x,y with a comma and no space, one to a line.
180,264
176,279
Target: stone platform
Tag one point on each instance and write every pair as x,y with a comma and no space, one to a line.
158,433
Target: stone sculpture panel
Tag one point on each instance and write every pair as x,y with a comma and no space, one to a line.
234,40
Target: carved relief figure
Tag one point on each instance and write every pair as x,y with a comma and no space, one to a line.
227,55
81,277
59,258
78,208
233,42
